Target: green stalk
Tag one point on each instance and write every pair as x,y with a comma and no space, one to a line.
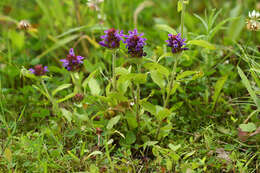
168,92
113,70
138,99
108,155
182,18
173,74
51,99
76,82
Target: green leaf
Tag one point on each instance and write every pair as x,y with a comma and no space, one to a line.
166,28
130,138
162,113
174,147
218,87
43,113
158,78
41,91
138,78
248,87
249,127
175,87
123,83
112,122
169,164
60,88
66,97
121,71
189,154
149,108
94,87
85,82
131,119
67,114
94,153
202,43
8,155
185,74
157,67
179,6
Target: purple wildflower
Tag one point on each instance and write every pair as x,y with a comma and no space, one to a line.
135,43
111,39
176,43
72,62
39,70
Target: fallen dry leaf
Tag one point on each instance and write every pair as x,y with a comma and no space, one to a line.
222,154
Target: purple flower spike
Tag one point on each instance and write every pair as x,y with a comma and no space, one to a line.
72,62
176,43
135,43
39,70
112,38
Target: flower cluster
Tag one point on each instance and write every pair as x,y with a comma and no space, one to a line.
94,4
39,70
111,39
253,23
254,14
176,43
135,43
72,62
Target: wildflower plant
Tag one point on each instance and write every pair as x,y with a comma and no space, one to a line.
111,40
135,44
38,73
176,43
39,70
73,64
253,21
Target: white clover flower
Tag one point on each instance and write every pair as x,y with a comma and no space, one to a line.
94,4
254,14
253,23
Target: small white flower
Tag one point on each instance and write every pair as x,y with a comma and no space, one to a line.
94,4
24,25
254,14
253,23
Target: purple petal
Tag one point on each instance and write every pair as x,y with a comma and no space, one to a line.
45,69
72,52
32,70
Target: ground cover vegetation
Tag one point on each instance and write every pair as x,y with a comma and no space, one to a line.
129,86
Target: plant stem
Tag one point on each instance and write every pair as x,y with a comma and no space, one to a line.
138,99
46,90
182,18
108,155
168,93
171,83
113,70
76,81
51,99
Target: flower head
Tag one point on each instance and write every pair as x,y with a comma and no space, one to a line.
39,70
176,43
254,14
94,4
253,23
135,43
72,62
24,25
111,39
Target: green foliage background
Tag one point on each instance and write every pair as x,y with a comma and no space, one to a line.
207,109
